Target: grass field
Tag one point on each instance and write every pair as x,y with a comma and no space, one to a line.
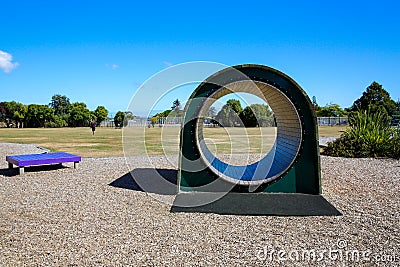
108,141
239,140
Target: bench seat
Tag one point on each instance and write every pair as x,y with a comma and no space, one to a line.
27,160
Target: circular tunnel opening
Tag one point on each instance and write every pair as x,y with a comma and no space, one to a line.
240,128
284,151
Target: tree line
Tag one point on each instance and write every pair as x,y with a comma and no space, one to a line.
175,111
231,114
370,134
60,112
375,98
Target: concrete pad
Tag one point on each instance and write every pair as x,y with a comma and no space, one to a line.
273,204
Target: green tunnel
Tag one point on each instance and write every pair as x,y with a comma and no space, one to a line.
293,163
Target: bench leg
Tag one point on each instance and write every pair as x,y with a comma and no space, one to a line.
76,164
10,165
21,170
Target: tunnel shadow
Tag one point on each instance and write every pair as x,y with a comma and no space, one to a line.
164,182
256,204
158,181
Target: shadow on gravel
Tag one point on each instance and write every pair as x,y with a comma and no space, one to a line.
261,204
14,171
164,182
158,181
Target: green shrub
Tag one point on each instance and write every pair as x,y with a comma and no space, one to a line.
57,122
369,135
395,146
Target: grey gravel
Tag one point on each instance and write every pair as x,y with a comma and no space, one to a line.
21,148
68,217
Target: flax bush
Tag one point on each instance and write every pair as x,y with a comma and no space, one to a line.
369,135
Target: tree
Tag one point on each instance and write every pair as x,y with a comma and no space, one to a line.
119,119
315,104
128,116
397,111
101,114
235,105
3,111
256,115
331,110
176,110
375,97
39,115
56,122
153,121
60,104
176,113
168,113
79,115
163,114
34,115
16,112
176,105
314,101
212,112
228,116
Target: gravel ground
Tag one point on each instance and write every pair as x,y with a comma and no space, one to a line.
67,217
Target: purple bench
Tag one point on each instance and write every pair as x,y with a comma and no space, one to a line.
41,159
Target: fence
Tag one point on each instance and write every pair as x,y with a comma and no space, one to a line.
109,123
176,122
143,122
332,121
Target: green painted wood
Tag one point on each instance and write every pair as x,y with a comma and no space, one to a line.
303,176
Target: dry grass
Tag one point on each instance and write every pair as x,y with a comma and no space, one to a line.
239,140
331,130
108,141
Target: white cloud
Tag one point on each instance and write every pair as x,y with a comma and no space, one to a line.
112,66
6,63
167,63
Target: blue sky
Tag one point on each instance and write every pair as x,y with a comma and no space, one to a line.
100,52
